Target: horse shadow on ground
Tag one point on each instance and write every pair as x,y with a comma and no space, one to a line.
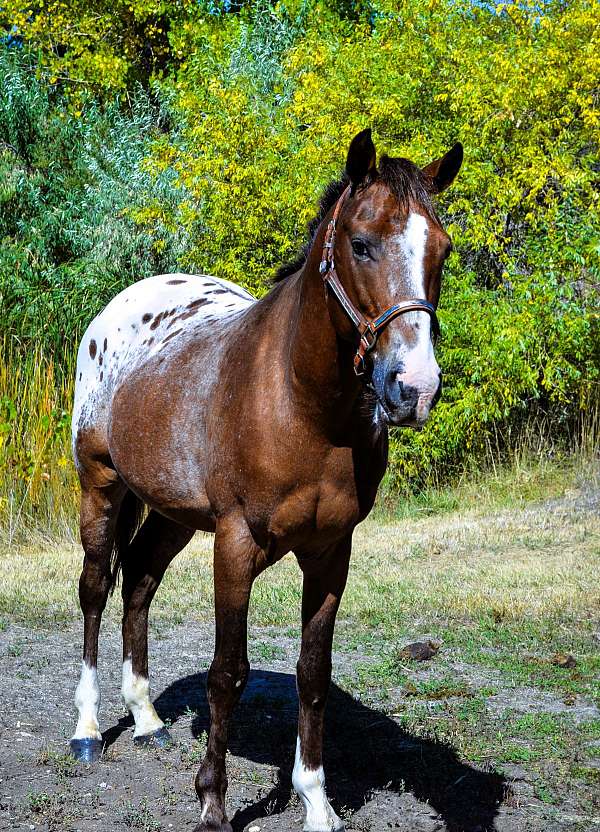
365,751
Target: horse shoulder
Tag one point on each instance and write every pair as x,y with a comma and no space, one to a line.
304,497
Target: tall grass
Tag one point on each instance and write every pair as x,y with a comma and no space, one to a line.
531,464
38,491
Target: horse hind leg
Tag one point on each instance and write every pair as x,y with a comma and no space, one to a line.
99,514
143,564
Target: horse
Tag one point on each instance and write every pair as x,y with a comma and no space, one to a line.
199,407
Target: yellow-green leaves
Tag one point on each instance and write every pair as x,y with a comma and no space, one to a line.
96,46
262,105
517,86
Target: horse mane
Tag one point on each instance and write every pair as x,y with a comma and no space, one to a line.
330,196
404,179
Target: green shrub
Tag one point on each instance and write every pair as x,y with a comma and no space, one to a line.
67,186
519,308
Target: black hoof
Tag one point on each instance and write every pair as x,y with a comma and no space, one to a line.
160,738
87,750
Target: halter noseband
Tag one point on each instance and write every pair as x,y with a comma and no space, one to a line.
368,330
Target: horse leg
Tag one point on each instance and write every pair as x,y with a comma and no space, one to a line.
98,517
324,582
237,562
144,564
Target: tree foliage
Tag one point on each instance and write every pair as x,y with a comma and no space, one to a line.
95,46
264,127
67,186
258,104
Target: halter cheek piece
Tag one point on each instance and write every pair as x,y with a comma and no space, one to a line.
368,330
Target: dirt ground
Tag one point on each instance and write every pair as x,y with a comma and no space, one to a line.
379,777
491,734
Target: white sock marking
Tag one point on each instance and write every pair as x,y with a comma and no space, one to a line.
136,693
310,786
87,701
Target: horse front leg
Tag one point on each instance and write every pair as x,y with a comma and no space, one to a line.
324,582
236,564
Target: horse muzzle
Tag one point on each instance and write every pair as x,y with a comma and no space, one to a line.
407,400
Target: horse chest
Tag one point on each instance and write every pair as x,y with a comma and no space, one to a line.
315,511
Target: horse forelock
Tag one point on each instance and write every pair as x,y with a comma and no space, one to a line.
407,182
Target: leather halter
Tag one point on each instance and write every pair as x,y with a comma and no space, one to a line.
368,329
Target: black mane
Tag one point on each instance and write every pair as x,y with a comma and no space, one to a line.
330,196
404,179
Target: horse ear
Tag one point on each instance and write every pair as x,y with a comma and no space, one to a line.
362,157
442,172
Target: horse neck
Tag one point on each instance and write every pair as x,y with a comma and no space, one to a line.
321,364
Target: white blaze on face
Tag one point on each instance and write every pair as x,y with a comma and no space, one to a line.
421,370
136,693
310,786
87,701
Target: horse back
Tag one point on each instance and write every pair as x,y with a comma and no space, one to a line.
141,326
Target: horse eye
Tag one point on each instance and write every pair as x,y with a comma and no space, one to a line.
360,249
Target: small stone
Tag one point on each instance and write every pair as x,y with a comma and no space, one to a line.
564,660
419,651
254,829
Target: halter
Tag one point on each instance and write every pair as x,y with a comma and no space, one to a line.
368,329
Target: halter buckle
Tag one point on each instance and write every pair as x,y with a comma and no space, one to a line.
359,365
368,339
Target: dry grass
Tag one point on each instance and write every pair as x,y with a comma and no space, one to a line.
502,582
37,477
527,562
537,561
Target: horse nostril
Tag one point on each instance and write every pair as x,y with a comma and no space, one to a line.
408,395
400,394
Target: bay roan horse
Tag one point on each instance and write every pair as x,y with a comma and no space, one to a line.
264,421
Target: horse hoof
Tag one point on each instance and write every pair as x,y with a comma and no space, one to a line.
341,828
88,750
214,827
159,738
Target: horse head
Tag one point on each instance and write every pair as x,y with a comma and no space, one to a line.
384,253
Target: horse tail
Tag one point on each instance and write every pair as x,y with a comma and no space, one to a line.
129,519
